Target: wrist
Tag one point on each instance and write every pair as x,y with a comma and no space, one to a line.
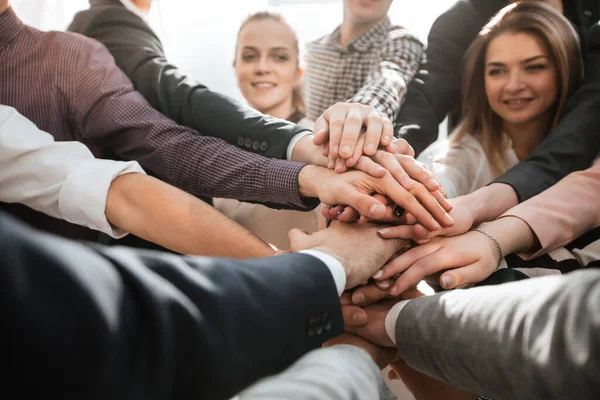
307,152
310,179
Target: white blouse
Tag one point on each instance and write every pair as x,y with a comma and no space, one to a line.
61,179
463,167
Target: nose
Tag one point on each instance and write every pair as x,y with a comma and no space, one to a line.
263,66
515,82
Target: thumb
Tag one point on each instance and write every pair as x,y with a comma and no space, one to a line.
457,277
299,239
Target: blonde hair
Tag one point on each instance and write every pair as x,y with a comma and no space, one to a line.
531,17
297,94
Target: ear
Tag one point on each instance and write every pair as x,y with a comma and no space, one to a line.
299,74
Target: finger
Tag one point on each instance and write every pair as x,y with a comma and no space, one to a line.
337,118
351,132
400,146
325,149
473,273
390,163
428,200
388,132
349,215
410,203
331,162
354,316
398,232
406,260
368,166
430,264
362,203
383,284
346,298
442,201
340,165
321,131
358,152
370,294
418,172
374,134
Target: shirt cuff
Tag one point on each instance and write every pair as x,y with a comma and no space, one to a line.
82,198
335,267
294,142
391,319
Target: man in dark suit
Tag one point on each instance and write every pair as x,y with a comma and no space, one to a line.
81,321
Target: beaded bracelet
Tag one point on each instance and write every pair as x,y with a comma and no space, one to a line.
496,244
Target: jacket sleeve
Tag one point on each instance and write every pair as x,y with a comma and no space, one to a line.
535,339
435,90
573,144
82,321
138,52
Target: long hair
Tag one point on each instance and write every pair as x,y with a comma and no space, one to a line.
559,36
297,94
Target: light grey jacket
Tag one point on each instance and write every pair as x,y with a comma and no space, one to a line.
533,339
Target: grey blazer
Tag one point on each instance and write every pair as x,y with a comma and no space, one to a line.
533,339
139,53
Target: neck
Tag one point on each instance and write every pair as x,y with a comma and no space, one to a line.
527,137
351,29
143,5
282,110
4,6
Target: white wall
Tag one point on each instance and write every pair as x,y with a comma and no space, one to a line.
199,35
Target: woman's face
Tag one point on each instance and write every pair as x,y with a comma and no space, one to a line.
266,66
521,79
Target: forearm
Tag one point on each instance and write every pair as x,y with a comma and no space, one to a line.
487,339
513,234
160,213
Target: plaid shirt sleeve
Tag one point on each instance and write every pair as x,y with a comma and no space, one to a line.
386,84
109,114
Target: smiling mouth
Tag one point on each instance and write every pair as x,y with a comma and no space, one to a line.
264,85
516,102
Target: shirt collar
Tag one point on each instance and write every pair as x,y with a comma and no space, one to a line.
133,8
10,27
364,41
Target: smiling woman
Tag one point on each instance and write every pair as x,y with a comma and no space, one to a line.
517,78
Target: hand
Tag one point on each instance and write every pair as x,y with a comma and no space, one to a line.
470,257
461,214
358,248
342,125
381,355
374,331
354,188
306,151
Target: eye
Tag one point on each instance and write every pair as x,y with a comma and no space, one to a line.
536,67
281,58
248,57
495,71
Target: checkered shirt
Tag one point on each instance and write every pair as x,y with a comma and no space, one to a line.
374,69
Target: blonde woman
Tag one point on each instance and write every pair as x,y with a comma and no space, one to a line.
517,77
268,74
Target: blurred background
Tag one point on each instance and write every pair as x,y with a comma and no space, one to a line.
199,35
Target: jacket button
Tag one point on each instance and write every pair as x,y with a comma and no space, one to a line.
240,141
264,146
255,145
248,143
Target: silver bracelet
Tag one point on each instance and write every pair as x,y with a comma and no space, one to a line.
496,244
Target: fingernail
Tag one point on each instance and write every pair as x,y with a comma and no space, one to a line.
436,225
358,319
378,274
371,147
346,149
383,231
399,211
448,218
433,182
336,148
394,291
447,282
393,148
384,284
358,298
379,168
377,209
386,138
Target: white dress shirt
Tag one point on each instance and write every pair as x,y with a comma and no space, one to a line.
61,179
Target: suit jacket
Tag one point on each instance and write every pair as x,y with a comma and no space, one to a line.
532,339
434,93
564,212
139,53
87,322
341,372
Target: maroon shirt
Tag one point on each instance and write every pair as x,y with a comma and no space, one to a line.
69,86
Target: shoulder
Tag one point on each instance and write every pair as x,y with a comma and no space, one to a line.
98,15
399,38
